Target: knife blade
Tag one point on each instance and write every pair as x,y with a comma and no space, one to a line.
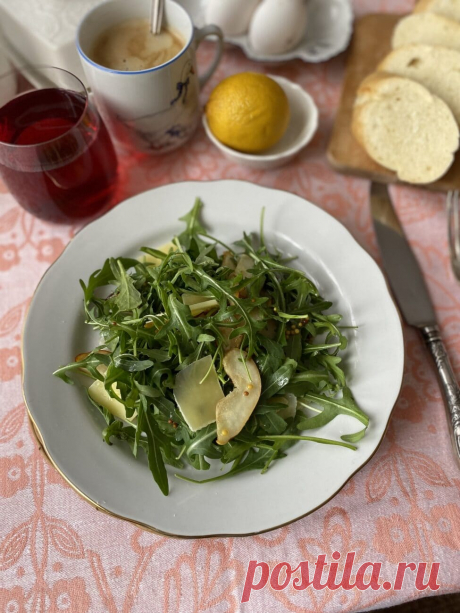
411,293
399,261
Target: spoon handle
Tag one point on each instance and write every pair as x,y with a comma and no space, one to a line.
157,16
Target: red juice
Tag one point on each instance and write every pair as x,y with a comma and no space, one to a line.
56,156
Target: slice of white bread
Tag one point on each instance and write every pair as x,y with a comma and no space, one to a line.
405,128
437,68
427,29
448,8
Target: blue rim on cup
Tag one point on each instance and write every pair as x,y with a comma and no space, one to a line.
98,8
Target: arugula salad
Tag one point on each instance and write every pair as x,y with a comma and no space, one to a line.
212,352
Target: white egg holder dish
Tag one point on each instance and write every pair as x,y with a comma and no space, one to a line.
328,32
302,127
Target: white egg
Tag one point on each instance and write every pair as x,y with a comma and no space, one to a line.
278,26
232,16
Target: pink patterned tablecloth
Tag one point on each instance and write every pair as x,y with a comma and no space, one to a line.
57,553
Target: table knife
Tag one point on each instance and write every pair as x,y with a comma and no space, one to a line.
411,293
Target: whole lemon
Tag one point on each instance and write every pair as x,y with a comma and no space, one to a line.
248,112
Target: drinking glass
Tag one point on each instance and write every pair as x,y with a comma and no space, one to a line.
56,155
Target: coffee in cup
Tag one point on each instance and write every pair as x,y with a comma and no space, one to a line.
131,46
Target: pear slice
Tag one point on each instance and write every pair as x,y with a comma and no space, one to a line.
233,411
230,343
245,263
190,299
199,304
228,260
202,307
101,397
290,400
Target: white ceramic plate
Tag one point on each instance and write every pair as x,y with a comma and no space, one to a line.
111,477
329,29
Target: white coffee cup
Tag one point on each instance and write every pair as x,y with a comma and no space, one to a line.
153,110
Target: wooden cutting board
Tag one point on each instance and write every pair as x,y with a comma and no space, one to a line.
371,42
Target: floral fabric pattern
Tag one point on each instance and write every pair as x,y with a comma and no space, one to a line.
13,476
57,553
70,596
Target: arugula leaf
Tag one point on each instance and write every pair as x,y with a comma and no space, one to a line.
206,338
203,443
314,439
255,460
104,276
354,438
272,423
331,408
88,364
167,408
113,429
160,255
157,355
156,463
148,390
130,364
237,447
331,363
279,379
270,361
178,322
294,347
194,228
128,297
139,426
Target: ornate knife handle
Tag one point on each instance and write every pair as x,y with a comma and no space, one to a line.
449,385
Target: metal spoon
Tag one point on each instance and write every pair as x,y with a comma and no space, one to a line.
156,16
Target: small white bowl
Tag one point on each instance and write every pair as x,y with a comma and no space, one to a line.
301,129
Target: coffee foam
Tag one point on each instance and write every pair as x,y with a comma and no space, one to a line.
130,46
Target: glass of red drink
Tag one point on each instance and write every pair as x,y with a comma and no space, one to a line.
56,155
